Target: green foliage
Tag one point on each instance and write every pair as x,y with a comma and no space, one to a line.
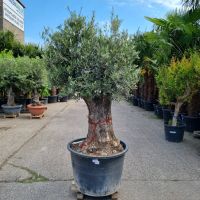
191,4
175,35
90,62
8,43
6,40
179,80
23,74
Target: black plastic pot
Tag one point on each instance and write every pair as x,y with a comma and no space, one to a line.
174,133
167,115
135,101
159,112
2,102
191,123
155,109
24,102
52,99
148,105
64,99
97,176
44,100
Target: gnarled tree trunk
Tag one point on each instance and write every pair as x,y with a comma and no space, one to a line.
11,97
178,105
101,139
151,87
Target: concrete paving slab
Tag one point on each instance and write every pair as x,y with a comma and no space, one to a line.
154,168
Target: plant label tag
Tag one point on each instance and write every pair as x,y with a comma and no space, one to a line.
173,132
96,161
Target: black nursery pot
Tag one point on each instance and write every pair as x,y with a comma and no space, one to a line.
52,99
97,176
148,105
159,112
191,123
64,99
24,102
135,101
174,133
44,100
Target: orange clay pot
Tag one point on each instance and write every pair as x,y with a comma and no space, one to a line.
36,110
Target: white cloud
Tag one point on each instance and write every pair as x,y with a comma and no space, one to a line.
172,4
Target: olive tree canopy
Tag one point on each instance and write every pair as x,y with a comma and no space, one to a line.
93,63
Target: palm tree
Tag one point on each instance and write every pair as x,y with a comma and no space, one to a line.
191,4
180,30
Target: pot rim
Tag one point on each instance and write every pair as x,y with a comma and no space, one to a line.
177,126
40,106
15,106
98,157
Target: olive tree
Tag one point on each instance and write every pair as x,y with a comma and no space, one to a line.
96,65
179,81
21,75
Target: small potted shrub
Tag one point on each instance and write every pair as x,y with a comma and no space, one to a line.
178,81
44,95
53,98
97,67
11,80
38,82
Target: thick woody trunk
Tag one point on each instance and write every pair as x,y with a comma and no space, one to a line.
100,137
150,87
11,98
146,86
176,112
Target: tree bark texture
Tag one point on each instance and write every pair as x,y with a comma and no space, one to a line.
11,98
100,135
145,86
178,105
151,86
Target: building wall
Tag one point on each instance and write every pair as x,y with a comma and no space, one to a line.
6,25
19,34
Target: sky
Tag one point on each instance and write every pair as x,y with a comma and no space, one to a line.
40,13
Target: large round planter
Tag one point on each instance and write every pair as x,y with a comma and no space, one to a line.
11,110
97,176
36,110
148,106
52,99
191,123
174,133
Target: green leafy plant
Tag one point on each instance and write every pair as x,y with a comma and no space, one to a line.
21,75
95,65
178,82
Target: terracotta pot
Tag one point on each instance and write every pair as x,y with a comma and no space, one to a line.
36,110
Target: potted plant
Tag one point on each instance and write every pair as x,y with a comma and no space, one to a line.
11,80
98,67
44,95
38,81
53,98
178,81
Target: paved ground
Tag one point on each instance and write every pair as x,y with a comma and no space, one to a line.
35,164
